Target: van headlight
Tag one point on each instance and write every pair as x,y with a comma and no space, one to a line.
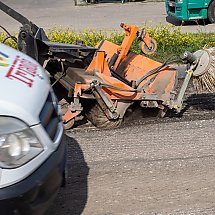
18,144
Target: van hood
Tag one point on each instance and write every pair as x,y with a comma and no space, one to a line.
24,86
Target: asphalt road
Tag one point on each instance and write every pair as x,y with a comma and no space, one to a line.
149,166
49,13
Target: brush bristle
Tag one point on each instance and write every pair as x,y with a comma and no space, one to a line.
206,82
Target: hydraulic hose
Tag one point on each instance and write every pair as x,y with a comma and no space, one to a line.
9,35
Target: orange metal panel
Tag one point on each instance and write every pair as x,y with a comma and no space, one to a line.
130,66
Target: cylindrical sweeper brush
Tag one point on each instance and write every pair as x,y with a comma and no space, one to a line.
204,73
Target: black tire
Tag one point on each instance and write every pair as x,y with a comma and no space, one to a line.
98,118
211,12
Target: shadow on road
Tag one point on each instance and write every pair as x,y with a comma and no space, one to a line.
204,101
73,198
178,22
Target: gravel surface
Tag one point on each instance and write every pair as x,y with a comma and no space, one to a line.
148,166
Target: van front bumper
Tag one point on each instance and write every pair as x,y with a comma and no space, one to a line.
34,194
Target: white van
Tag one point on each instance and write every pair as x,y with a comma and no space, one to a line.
32,153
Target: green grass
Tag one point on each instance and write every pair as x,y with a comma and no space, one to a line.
171,41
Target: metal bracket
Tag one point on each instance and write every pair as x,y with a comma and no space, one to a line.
105,103
198,63
74,109
177,105
76,105
150,97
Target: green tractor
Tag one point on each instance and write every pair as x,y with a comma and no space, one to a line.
191,9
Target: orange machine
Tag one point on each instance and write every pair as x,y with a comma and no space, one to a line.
116,78
103,82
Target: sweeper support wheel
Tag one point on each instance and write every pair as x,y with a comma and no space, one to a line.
149,50
97,117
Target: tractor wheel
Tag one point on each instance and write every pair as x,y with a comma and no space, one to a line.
211,12
97,117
